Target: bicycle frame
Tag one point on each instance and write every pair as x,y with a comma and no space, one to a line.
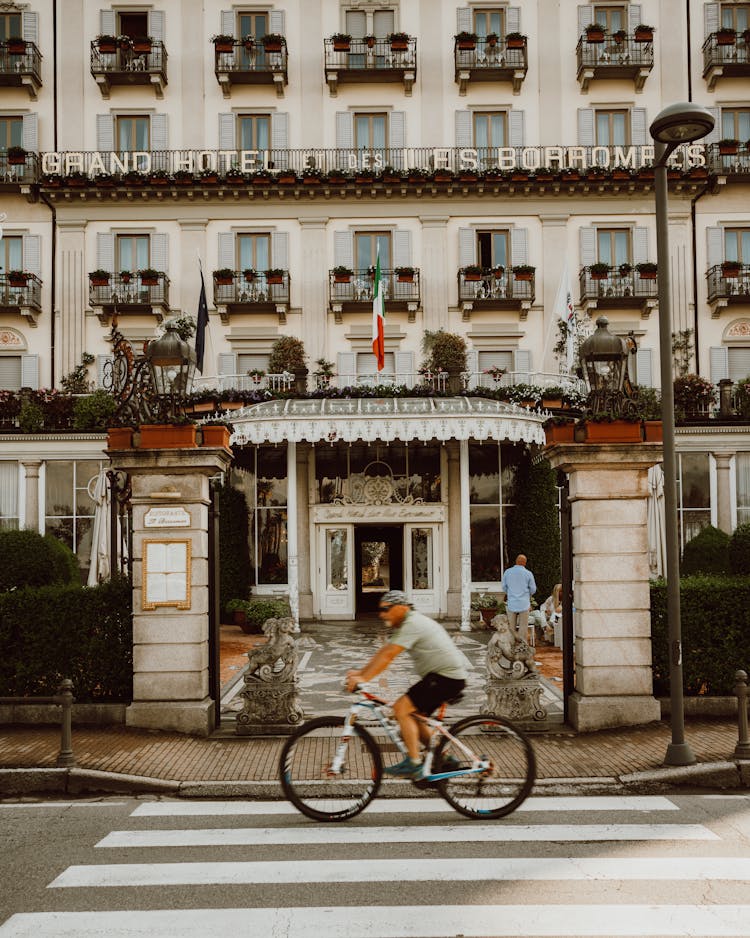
377,706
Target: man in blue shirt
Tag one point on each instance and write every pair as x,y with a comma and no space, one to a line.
519,586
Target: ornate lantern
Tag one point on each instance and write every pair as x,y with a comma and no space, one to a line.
171,363
605,357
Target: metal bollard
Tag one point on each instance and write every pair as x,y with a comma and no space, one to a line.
65,697
742,749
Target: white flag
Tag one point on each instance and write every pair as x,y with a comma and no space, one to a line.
564,309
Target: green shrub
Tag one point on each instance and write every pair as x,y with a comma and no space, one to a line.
31,417
258,610
715,616
444,351
287,354
93,412
54,632
707,552
739,550
28,559
234,545
64,561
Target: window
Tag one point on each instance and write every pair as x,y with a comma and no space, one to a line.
742,461
493,249
9,495
370,131
69,513
10,26
366,246
132,252
254,251
737,245
490,129
415,469
489,21
738,361
693,497
261,475
133,133
254,132
250,361
255,25
490,359
134,24
613,246
367,365
492,471
10,372
612,128
11,132
611,18
735,123
735,16
11,254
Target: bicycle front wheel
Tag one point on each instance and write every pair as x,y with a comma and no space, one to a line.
307,776
506,782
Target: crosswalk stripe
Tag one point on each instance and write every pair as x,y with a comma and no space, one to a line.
471,921
403,805
498,833
523,869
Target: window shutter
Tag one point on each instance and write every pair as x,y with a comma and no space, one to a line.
495,359
714,246
30,371
715,134
513,20
516,130
643,368
587,242
160,252
463,129
344,130
343,249
472,363
226,250
638,134
739,363
159,139
401,248
226,131
397,130
101,368
107,23
404,367
464,22
519,245
634,16
10,372
522,365
280,249
30,27
105,251
356,23
246,361
227,363
710,18
585,17
586,135
228,23
467,247
640,244
279,140
32,254
276,22
346,366
105,132
719,363
383,23
30,132
156,24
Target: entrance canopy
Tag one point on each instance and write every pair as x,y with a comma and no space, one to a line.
386,418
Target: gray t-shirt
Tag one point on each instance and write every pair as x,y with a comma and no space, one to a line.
431,648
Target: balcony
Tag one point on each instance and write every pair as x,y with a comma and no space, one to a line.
17,172
730,159
129,63
495,290
130,295
353,293
250,63
264,293
21,295
370,60
488,60
728,285
619,289
21,66
616,56
726,54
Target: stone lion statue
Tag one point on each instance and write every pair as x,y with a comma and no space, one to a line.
508,657
276,661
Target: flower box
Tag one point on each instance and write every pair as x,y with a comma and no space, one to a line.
108,46
203,407
223,280
523,274
728,269
18,280
16,157
272,45
342,278
728,148
341,45
515,43
216,436
405,278
286,179
472,275
224,45
643,35
142,46
594,35
653,431
97,281
167,436
551,402
16,46
726,37
560,433
119,438
149,281
401,45
613,431
274,278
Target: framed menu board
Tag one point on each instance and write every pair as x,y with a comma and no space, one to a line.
166,574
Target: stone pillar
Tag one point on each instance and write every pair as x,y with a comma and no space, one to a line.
314,276
303,531
612,620
291,531
31,509
170,499
450,498
555,255
723,491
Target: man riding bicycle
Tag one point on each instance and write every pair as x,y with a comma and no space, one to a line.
440,665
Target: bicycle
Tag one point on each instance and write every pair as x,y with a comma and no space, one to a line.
328,778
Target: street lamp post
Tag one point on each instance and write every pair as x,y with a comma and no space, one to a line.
675,125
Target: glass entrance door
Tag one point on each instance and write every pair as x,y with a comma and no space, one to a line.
423,568
335,548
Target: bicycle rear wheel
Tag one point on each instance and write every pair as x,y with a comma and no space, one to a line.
506,783
305,763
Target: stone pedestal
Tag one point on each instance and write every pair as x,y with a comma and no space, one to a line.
170,499
612,621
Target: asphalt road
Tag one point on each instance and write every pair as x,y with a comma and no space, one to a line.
650,865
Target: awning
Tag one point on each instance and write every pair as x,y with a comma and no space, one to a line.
330,420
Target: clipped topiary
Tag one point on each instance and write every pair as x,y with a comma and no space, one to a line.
287,354
707,552
28,559
64,561
258,610
234,551
739,550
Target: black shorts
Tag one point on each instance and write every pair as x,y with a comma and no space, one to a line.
432,690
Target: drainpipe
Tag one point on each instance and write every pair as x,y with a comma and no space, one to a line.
689,54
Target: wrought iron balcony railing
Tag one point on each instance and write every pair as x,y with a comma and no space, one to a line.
20,64
618,57
729,282
373,55
14,173
619,286
258,290
129,63
21,292
249,62
245,382
729,159
134,291
499,286
727,55
358,286
491,60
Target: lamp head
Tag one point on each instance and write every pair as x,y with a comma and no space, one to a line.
681,123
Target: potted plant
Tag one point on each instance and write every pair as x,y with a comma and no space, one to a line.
693,396
256,375
523,271
324,372
250,274
552,396
498,272
595,32
224,276
105,181
496,373
443,175
223,43
606,427
233,174
599,271
491,39
472,272
445,351
466,40
288,354
643,33
149,276
559,429
176,435
725,36
261,178
341,42
216,433
142,44
369,41
275,275
99,278
286,177
15,45
730,269
488,606
16,156
728,146
77,179
336,177
126,276
624,270
107,44
248,43
208,176
159,177
619,36
646,270
342,274
239,608
515,40
399,41
404,274
311,176
364,175
183,177
273,42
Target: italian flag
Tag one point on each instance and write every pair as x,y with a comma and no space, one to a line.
378,318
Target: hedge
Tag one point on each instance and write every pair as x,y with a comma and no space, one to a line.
715,616
533,526
52,632
30,559
707,552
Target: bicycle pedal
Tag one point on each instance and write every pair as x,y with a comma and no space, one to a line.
423,784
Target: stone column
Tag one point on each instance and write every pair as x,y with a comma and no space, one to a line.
303,531
450,498
723,491
72,295
170,499
31,510
612,620
554,255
